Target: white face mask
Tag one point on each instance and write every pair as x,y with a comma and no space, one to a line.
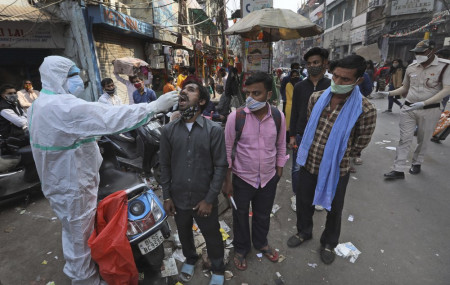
75,85
422,58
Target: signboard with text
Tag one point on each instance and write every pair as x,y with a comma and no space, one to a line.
401,7
113,18
254,5
30,35
257,56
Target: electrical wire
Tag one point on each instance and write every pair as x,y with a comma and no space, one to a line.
26,13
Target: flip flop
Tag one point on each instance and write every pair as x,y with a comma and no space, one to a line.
270,253
217,279
187,270
242,265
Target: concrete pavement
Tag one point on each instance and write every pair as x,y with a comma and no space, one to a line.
401,228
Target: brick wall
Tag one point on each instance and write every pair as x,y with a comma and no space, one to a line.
109,46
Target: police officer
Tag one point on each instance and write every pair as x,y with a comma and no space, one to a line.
426,82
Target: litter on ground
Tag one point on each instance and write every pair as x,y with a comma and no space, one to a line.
228,275
350,218
169,267
313,265
391,148
275,208
44,262
178,255
224,226
347,250
225,236
354,178
281,258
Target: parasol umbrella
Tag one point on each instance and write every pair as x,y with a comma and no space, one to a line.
276,24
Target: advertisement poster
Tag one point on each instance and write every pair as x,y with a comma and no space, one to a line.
257,56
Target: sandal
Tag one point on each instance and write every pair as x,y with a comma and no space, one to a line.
217,279
187,271
240,262
270,253
295,240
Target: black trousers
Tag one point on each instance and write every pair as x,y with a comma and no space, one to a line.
210,228
305,209
261,200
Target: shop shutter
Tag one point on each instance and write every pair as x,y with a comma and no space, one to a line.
110,45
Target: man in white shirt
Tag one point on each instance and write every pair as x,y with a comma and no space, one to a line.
13,119
27,95
109,95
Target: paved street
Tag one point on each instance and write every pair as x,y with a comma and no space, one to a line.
401,228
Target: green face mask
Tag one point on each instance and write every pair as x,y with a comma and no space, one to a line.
342,89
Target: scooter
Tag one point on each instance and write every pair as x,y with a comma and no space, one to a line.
18,174
147,220
139,150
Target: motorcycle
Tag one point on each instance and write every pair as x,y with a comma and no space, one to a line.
139,150
18,174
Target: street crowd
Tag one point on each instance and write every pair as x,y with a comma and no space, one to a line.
327,119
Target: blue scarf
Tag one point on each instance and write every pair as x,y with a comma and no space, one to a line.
335,147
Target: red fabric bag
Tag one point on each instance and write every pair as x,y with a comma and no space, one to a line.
109,245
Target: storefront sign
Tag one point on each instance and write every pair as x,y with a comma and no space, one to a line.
165,13
104,15
187,42
254,5
29,35
401,7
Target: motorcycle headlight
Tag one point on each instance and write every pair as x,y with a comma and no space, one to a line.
138,224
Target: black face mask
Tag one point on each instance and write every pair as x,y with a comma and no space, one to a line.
111,92
12,99
294,80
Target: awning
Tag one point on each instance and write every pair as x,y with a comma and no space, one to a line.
199,16
15,13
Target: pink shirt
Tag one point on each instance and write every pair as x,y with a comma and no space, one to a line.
258,151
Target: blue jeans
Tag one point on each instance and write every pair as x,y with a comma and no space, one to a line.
295,165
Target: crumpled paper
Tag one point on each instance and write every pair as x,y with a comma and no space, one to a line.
347,250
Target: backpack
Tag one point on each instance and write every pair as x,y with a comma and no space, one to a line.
240,122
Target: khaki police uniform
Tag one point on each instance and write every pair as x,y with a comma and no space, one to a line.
422,84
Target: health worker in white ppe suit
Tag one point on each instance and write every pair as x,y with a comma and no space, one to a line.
62,133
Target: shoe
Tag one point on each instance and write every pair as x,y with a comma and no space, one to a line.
294,203
387,111
327,254
395,175
352,169
435,140
415,169
296,240
358,160
318,208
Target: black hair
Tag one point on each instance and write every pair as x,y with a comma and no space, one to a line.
5,87
222,69
443,53
371,65
132,77
106,81
295,70
170,78
25,80
294,64
323,53
202,92
260,77
351,62
191,70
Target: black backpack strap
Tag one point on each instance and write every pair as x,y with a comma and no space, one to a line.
276,115
238,127
442,73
